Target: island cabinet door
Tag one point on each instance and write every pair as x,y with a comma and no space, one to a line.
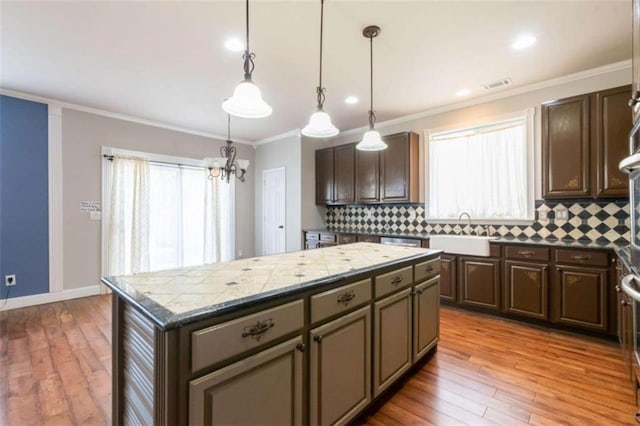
580,297
426,314
340,367
264,389
480,282
526,289
392,319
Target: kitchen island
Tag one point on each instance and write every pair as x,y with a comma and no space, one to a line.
297,338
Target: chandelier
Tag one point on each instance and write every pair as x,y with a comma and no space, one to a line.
225,166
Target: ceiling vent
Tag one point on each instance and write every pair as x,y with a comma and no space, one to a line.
496,84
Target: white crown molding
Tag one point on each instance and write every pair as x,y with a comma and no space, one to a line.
294,132
118,116
39,299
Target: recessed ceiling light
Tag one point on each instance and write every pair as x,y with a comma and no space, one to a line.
523,41
463,92
351,100
234,44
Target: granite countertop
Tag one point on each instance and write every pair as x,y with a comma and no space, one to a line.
180,296
588,244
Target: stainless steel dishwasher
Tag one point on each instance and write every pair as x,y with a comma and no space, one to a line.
409,242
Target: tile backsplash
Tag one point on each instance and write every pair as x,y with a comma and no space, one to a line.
593,220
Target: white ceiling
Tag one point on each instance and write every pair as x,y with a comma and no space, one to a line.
165,61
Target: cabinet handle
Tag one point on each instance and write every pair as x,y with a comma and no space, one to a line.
635,97
428,269
258,330
580,257
345,298
317,339
396,280
301,347
624,302
419,292
526,252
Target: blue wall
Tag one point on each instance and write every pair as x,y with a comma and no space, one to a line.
24,223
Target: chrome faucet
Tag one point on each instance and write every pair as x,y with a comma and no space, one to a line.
468,221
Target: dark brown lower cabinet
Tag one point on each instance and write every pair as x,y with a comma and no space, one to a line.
448,278
269,384
479,282
526,289
340,368
580,295
426,314
392,346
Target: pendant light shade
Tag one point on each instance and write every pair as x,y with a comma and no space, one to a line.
320,125
247,100
371,140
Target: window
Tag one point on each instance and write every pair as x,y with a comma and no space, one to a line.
482,170
164,215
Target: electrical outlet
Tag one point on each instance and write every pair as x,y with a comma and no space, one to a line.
9,280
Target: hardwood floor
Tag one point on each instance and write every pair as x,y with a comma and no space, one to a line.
55,367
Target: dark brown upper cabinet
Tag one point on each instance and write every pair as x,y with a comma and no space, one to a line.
391,175
335,175
583,140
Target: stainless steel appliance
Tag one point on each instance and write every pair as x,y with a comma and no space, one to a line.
409,242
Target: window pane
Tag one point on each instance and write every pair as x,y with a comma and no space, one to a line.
481,173
227,222
164,241
193,194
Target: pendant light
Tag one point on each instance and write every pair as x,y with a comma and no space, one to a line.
320,123
371,140
247,100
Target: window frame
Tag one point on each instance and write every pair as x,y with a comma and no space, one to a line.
528,115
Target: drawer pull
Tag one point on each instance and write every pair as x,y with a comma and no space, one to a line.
317,339
428,269
258,330
397,280
580,257
526,252
345,298
301,347
419,292
624,302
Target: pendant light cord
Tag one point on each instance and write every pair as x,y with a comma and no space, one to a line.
228,127
372,115
247,55
247,29
320,89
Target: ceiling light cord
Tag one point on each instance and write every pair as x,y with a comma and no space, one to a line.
320,91
247,56
372,114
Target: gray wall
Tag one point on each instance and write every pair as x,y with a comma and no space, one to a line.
83,136
313,217
285,152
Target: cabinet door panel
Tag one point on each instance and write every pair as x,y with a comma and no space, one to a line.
526,289
565,135
613,123
581,297
268,383
448,278
480,282
344,174
324,176
426,314
392,339
367,176
341,368
399,168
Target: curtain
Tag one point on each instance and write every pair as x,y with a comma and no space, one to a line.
212,221
129,216
483,173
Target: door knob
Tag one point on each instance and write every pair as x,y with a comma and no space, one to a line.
281,226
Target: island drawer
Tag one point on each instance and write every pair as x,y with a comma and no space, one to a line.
312,236
338,300
221,341
394,280
527,253
346,238
582,257
329,238
427,269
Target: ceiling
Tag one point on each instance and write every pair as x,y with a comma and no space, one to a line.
165,61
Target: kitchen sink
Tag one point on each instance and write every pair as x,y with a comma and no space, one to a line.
473,245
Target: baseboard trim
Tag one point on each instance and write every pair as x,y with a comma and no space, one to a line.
39,299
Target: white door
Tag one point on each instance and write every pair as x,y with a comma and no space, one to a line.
273,208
